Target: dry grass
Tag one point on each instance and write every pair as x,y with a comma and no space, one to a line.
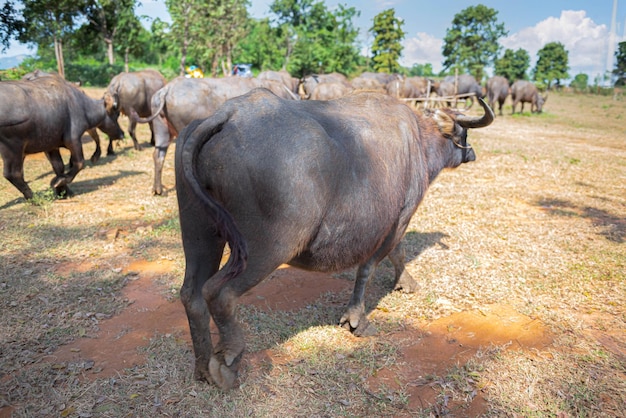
537,223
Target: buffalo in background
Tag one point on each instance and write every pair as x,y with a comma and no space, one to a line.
135,91
523,91
185,99
45,114
497,91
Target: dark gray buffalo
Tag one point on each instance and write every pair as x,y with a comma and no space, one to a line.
135,91
320,185
523,91
497,91
43,115
185,99
463,84
109,125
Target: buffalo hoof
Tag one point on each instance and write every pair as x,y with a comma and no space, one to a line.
223,374
406,283
357,324
95,157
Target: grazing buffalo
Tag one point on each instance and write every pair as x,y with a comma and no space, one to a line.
321,186
497,91
135,92
43,115
523,91
185,99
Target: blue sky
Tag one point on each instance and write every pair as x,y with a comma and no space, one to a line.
583,26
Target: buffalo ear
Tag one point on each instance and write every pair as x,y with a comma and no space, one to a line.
111,102
445,122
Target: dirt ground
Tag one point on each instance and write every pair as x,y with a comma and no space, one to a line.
132,236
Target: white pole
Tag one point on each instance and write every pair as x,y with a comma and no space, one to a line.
611,48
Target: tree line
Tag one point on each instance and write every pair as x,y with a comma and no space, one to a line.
95,39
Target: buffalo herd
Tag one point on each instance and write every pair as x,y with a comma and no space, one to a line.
321,173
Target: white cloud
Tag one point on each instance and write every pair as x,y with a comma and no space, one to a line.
422,49
585,41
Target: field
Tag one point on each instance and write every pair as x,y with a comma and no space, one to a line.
521,256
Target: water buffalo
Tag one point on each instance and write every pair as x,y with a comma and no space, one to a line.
407,87
135,92
310,82
497,91
185,99
321,186
282,76
525,91
43,115
463,84
367,83
109,125
330,90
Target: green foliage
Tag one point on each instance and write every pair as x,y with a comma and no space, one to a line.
262,46
552,64
620,65
580,82
420,70
313,39
513,65
387,47
10,24
472,42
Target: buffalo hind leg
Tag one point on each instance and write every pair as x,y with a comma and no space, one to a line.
403,280
131,131
14,171
203,263
159,160
222,299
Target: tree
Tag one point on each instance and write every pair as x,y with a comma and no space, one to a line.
471,43
421,70
49,22
620,64
10,24
580,82
316,40
552,64
262,47
387,47
513,65
110,18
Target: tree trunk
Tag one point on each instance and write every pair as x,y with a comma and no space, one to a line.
109,43
58,54
126,59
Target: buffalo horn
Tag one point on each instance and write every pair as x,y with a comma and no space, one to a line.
469,122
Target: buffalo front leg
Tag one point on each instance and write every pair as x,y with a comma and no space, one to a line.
58,183
403,280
